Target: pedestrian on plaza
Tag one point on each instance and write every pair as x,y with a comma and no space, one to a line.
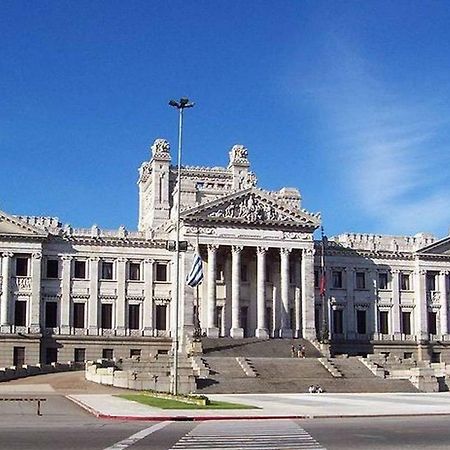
292,351
303,351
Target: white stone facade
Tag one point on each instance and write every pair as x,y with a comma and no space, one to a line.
73,294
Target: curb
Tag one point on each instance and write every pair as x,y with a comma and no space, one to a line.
100,415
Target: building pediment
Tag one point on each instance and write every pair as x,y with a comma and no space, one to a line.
251,207
441,247
12,226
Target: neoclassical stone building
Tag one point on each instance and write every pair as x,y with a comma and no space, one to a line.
75,294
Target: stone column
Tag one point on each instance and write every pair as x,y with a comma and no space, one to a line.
93,296
65,295
261,330
5,297
121,303
395,319
308,328
444,306
236,330
212,330
148,297
286,330
420,309
36,273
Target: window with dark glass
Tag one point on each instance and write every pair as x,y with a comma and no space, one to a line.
133,317
21,266
338,325
79,355
107,270
360,280
107,353
161,272
432,322
18,356
361,321
384,322
161,317
404,282
134,271
52,268
106,316
78,315
431,281
382,280
51,314
135,352
20,313
337,279
79,270
316,278
406,322
244,273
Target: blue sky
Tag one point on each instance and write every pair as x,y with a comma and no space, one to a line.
346,100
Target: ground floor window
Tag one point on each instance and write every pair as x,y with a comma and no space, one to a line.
107,353
18,356
78,315
406,322
161,317
79,355
361,325
51,314
133,317
135,352
20,313
106,318
338,325
384,322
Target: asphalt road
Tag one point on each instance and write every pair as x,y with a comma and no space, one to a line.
65,426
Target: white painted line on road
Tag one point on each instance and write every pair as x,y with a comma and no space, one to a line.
137,436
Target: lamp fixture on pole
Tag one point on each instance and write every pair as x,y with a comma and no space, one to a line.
181,105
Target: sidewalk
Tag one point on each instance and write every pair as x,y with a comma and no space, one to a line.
276,406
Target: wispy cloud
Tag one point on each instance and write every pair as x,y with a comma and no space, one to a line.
393,160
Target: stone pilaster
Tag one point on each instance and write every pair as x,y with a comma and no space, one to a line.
212,330
121,303
6,288
148,297
261,330
93,296
236,330
308,328
443,275
286,330
66,294
36,269
420,309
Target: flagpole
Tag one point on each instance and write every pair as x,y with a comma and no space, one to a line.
180,105
323,290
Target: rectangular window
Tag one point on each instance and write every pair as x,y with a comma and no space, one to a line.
244,273
133,317
404,282
406,322
384,322
20,313
51,314
134,271
21,267
161,272
79,355
107,270
79,270
106,322
382,280
435,357
52,268
360,280
361,321
135,352
338,325
18,356
78,315
316,278
107,353
337,279
161,317
431,281
432,329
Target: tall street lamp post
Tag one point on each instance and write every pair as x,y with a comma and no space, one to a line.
181,105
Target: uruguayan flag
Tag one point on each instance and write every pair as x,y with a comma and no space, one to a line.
195,276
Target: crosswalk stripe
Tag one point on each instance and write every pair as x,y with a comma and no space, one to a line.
248,435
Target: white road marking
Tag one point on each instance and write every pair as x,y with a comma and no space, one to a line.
137,436
247,434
